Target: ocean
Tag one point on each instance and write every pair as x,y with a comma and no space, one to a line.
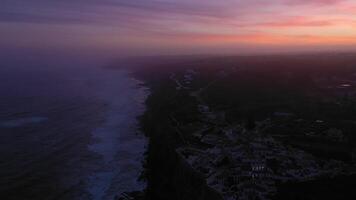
69,132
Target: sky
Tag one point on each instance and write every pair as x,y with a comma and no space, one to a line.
178,26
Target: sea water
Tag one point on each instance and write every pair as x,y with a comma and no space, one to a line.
69,132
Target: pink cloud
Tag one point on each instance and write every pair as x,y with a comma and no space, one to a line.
297,21
317,2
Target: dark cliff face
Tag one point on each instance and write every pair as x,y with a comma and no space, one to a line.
169,176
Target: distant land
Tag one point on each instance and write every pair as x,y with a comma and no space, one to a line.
250,127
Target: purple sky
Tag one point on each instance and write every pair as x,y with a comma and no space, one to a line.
178,25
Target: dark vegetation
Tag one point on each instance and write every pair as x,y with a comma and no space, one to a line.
300,95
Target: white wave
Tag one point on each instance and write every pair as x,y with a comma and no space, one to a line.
118,141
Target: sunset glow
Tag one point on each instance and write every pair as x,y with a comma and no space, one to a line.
173,24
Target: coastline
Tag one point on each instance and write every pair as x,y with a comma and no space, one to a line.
180,156
118,140
168,175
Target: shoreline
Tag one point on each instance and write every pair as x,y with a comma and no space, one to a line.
177,116
119,142
168,175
